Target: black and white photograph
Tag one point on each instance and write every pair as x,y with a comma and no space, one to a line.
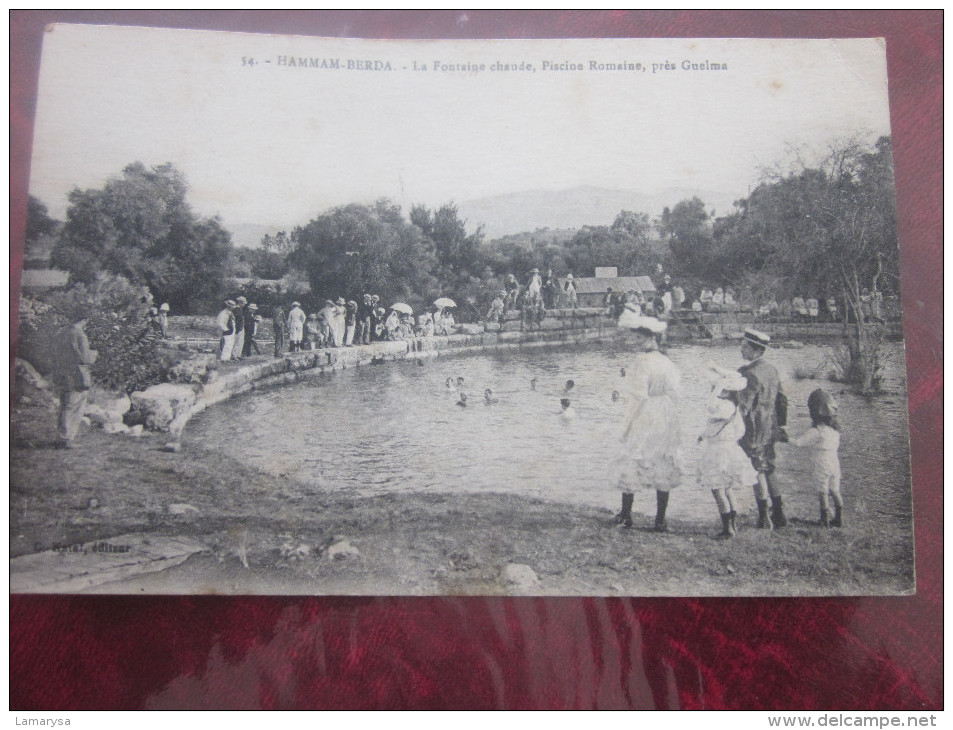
334,316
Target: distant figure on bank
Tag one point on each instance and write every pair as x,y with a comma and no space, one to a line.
567,413
239,346
497,308
534,288
650,449
226,331
251,330
822,441
164,320
572,300
312,333
278,326
251,311
72,377
296,320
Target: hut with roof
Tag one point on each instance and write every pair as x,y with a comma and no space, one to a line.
590,291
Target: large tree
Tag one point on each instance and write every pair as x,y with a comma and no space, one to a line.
139,225
357,248
687,227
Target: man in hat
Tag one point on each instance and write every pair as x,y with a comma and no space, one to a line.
250,312
251,329
365,311
226,330
350,322
278,326
763,407
239,348
296,320
72,377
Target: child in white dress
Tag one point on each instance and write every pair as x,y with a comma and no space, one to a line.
725,463
823,441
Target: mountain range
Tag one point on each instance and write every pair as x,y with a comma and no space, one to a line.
529,210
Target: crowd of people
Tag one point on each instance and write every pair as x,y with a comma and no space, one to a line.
338,323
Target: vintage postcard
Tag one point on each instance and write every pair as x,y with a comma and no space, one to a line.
337,316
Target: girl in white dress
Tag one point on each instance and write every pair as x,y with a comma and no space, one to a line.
650,454
822,441
725,463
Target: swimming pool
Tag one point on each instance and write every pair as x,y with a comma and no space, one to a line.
397,427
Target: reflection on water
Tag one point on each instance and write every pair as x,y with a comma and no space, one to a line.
397,427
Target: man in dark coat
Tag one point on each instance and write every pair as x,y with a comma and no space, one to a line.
72,377
764,409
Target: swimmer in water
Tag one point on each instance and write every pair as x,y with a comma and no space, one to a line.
622,372
567,413
488,397
532,384
570,384
615,396
450,388
459,381
463,400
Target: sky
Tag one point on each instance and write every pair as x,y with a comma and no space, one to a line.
273,143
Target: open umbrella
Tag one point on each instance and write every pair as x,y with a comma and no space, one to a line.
402,308
444,302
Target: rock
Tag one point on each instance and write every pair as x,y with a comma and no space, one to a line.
470,329
160,404
111,427
96,414
520,578
25,372
194,370
181,509
117,407
135,431
85,421
172,447
133,418
792,345
491,326
343,550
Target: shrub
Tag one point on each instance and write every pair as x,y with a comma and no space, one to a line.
130,353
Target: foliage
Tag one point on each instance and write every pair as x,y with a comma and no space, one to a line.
687,227
130,356
140,226
258,263
356,248
38,220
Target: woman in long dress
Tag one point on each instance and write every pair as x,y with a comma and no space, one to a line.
650,449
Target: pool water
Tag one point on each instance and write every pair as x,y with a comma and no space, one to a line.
397,428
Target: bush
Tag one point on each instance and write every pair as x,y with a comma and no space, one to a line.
130,353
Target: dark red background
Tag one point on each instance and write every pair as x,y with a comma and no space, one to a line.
480,653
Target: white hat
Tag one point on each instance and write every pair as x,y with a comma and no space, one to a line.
629,319
164,307
568,277
725,379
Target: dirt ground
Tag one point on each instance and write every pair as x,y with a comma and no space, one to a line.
261,536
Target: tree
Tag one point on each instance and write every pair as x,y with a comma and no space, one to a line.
38,220
623,245
688,230
830,228
139,225
458,253
357,248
